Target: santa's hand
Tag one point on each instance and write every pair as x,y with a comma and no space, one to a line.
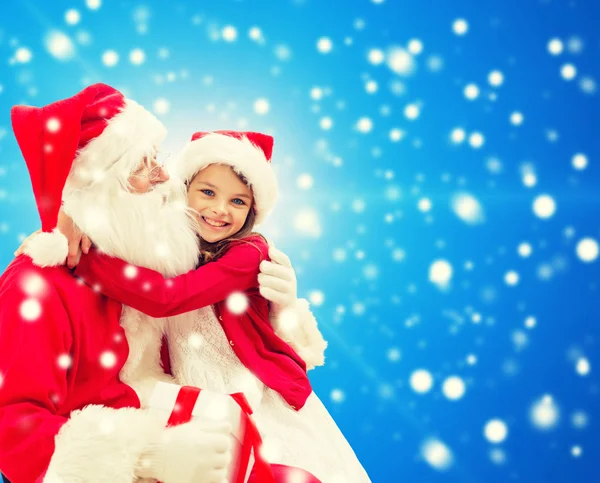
277,281
21,248
78,242
194,452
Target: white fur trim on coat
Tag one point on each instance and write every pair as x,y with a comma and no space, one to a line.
298,327
103,445
48,249
143,368
244,157
129,136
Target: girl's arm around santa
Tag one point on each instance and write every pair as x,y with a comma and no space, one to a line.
149,292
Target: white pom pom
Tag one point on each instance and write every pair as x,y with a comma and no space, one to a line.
48,249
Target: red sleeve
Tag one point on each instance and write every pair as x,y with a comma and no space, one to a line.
34,332
149,292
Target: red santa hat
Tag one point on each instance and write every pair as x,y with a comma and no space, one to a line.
248,153
71,141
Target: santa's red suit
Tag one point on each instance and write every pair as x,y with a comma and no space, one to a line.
62,349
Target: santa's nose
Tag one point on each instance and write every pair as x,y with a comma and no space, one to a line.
161,176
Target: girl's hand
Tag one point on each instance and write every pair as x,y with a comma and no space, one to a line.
277,281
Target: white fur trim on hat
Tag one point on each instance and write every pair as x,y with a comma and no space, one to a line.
242,155
47,249
129,136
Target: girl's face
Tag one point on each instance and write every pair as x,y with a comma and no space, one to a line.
221,201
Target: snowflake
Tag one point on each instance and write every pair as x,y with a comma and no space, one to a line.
496,78
237,303
316,297
93,4
110,58
324,45
437,454
460,26
23,55
555,46
471,92
364,125
108,359
400,61
261,106
587,250
568,72
30,309
375,56
440,273
544,206
64,361
337,395
495,431
130,271
453,388
579,161
229,33
421,381
161,106
137,56
72,16
59,45
544,413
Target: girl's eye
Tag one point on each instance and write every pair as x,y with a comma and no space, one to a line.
237,201
208,192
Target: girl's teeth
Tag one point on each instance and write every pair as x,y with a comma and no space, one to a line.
210,222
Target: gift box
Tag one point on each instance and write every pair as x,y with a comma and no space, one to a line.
183,403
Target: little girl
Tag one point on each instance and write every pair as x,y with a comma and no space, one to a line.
232,347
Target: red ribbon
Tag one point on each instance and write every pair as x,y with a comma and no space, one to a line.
182,413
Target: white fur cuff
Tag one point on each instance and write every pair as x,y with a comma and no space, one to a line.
102,445
298,327
48,249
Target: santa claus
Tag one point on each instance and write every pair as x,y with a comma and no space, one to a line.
77,368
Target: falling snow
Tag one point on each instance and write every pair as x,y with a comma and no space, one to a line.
438,199
237,303
495,431
421,381
544,413
110,58
59,45
437,454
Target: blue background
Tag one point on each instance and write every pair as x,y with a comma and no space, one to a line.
352,216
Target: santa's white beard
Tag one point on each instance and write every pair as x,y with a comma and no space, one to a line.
152,230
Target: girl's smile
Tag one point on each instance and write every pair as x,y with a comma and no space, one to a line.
214,223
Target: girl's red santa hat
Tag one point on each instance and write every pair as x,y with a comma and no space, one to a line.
73,143
248,153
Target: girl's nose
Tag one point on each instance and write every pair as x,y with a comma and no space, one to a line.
220,209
